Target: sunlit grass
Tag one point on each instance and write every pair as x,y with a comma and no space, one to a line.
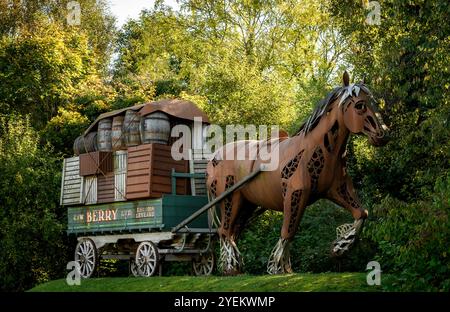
246,283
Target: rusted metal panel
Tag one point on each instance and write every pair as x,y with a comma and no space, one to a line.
89,190
105,188
178,108
149,171
96,163
138,171
120,175
70,182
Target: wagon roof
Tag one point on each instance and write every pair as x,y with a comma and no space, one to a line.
178,108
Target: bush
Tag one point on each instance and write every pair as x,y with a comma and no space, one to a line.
62,130
413,240
32,241
310,250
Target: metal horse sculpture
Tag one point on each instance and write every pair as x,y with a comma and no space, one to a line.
312,165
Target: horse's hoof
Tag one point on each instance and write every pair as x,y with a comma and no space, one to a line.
233,272
281,272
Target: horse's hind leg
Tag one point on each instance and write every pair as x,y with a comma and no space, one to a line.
294,206
230,257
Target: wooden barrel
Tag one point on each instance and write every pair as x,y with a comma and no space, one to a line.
131,127
104,135
85,144
155,128
117,139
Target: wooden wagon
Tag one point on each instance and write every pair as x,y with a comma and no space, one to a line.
127,202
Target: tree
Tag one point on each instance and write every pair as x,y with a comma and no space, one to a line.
32,246
97,22
253,61
40,71
406,64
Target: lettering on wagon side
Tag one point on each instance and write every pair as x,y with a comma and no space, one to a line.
101,215
145,212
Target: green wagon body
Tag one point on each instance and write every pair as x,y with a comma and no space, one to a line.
122,200
161,214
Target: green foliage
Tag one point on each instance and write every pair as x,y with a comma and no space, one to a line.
310,250
248,60
132,89
413,240
32,244
40,71
405,63
410,163
62,130
18,17
240,94
93,97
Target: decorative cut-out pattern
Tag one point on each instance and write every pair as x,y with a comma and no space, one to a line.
291,166
295,207
228,202
330,138
334,129
283,188
215,162
345,195
326,143
213,188
315,167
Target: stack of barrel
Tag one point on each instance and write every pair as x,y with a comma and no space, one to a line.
123,131
146,169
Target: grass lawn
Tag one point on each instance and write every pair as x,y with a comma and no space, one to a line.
291,282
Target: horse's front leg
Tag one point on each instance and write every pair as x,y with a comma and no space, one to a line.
294,205
343,194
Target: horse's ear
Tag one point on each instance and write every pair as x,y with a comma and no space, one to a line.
363,80
346,79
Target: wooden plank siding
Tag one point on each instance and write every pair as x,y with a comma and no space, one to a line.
89,190
120,175
197,164
149,168
105,188
71,182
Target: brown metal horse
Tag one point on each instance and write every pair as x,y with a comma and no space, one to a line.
312,165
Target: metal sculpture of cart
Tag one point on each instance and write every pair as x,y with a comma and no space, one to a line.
133,203
141,231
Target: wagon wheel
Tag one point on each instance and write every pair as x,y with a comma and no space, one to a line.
204,265
147,259
86,256
133,268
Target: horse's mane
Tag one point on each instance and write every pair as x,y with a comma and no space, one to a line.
344,92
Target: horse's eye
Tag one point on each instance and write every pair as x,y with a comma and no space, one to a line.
360,106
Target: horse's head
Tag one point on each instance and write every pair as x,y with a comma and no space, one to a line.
359,113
